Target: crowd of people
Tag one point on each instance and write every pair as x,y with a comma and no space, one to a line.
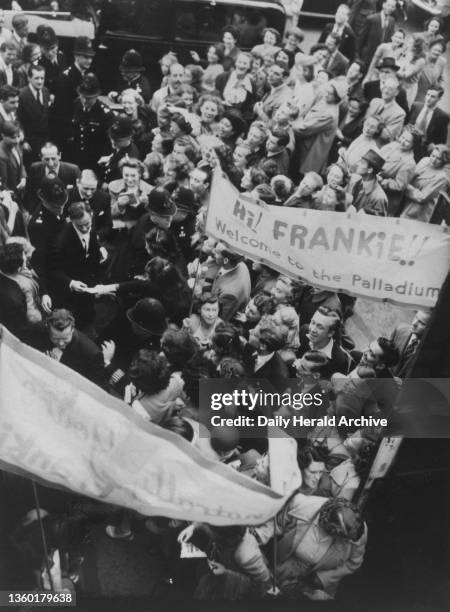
106,268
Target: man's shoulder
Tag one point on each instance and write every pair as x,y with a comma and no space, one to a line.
81,343
441,113
68,167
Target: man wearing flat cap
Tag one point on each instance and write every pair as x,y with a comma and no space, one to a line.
89,134
366,192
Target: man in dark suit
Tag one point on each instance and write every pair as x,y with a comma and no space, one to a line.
377,29
266,363
59,340
406,339
87,191
53,60
34,104
337,64
75,265
343,30
321,335
430,120
12,171
372,89
50,164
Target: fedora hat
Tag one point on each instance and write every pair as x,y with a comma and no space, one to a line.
388,62
374,159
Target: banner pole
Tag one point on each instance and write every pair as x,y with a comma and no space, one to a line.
44,541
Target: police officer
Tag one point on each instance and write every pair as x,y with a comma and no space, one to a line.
66,90
46,223
89,139
131,71
121,136
52,59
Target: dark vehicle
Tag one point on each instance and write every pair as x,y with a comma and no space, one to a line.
319,9
155,27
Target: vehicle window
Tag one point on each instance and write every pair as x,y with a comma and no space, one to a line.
140,17
320,7
196,22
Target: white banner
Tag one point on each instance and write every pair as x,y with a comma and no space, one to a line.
59,427
399,260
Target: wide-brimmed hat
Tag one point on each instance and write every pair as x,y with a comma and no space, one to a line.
160,202
149,315
53,191
374,159
89,86
131,61
388,62
83,46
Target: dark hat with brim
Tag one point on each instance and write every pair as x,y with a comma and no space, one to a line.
89,86
121,128
46,36
374,159
388,62
83,46
160,203
53,190
131,62
184,200
149,316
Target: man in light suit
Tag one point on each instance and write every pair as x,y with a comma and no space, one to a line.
377,29
50,164
430,120
232,283
388,110
34,103
406,339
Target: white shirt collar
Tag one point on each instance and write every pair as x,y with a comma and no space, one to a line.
326,349
261,360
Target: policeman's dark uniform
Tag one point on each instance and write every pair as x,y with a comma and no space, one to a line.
66,91
111,171
46,38
45,226
131,70
89,140
120,134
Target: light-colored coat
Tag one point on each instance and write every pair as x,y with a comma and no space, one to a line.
334,557
317,131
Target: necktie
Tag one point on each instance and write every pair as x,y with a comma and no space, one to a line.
422,121
39,98
85,246
410,349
